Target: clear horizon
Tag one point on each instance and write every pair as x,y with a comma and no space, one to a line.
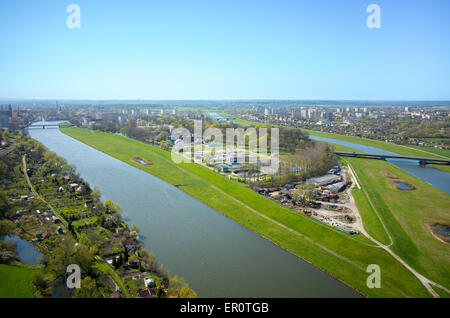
6,99
234,50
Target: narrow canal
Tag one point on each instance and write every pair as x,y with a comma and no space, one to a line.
217,256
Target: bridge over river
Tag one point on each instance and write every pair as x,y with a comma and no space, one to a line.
45,125
421,160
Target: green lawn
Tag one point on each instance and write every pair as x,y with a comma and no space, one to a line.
437,151
372,223
15,281
345,257
404,214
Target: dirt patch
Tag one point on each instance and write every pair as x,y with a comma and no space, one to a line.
348,219
141,161
396,182
388,174
440,230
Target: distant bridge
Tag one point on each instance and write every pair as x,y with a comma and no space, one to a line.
45,125
422,160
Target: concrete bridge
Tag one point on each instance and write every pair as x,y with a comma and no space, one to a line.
421,160
45,125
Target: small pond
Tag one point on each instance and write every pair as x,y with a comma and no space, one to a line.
233,166
27,252
222,165
247,173
60,289
442,229
403,186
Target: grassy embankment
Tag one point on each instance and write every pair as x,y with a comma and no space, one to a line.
404,214
16,281
345,257
441,152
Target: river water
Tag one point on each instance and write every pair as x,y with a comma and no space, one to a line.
438,178
217,256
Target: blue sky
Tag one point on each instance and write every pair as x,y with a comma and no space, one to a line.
225,50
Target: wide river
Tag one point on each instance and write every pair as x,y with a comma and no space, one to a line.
217,256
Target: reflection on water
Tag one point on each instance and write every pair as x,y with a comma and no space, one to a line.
60,289
217,256
402,185
442,229
26,251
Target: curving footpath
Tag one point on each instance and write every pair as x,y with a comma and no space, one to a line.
426,282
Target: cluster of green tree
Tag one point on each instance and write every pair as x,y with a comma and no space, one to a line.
312,161
304,192
292,139
78,245
4,138
289,139
414,128
7,249
107,126
403,130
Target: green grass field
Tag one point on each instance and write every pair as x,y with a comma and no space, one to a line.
345,257
15,281
404,214
437,151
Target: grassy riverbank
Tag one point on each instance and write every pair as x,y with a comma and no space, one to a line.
16,281
404,213
345,257
441,152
